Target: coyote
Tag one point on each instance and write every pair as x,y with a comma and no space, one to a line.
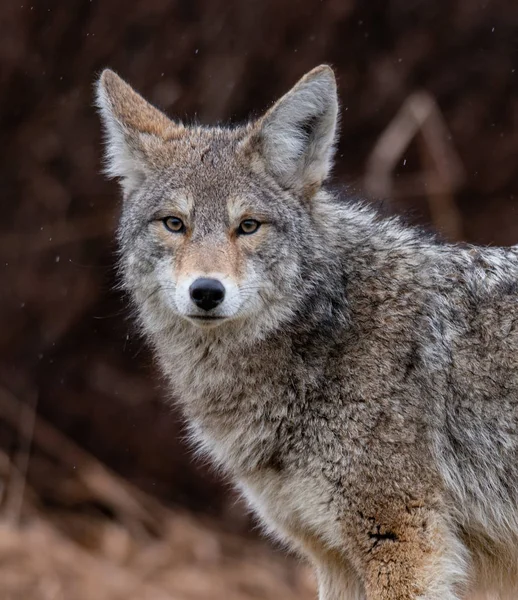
355,377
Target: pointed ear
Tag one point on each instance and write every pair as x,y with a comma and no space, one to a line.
132,126
297,134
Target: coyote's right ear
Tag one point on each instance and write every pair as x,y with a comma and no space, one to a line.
297,134
133,128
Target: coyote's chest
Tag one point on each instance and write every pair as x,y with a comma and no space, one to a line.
245,416
295,506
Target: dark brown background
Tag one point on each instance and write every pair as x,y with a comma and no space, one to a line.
65,334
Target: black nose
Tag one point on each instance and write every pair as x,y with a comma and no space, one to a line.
207,293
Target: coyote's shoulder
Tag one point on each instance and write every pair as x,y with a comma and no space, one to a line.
358,379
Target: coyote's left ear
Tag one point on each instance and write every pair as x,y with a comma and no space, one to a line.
133,129
297,134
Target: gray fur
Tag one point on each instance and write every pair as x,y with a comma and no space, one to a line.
364,393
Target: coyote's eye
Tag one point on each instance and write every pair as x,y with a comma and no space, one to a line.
174,224
248,226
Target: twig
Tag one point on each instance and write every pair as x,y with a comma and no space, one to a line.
15,493
443,173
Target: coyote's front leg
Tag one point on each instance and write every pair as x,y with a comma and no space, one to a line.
407,554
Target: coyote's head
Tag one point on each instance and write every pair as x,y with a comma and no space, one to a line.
217,223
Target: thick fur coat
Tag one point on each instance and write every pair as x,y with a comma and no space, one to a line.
359,381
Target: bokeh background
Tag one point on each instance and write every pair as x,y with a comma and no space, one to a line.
100,496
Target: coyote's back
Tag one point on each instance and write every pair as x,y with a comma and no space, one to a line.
357,379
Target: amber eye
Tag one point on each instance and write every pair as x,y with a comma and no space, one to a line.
174,224
248,226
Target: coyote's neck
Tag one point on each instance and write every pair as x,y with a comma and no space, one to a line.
227,388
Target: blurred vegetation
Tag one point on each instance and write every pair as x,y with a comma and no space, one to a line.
68,348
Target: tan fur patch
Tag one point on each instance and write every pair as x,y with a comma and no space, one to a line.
400,553
204,258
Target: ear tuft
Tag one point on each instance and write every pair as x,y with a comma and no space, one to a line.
298,133
129,122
